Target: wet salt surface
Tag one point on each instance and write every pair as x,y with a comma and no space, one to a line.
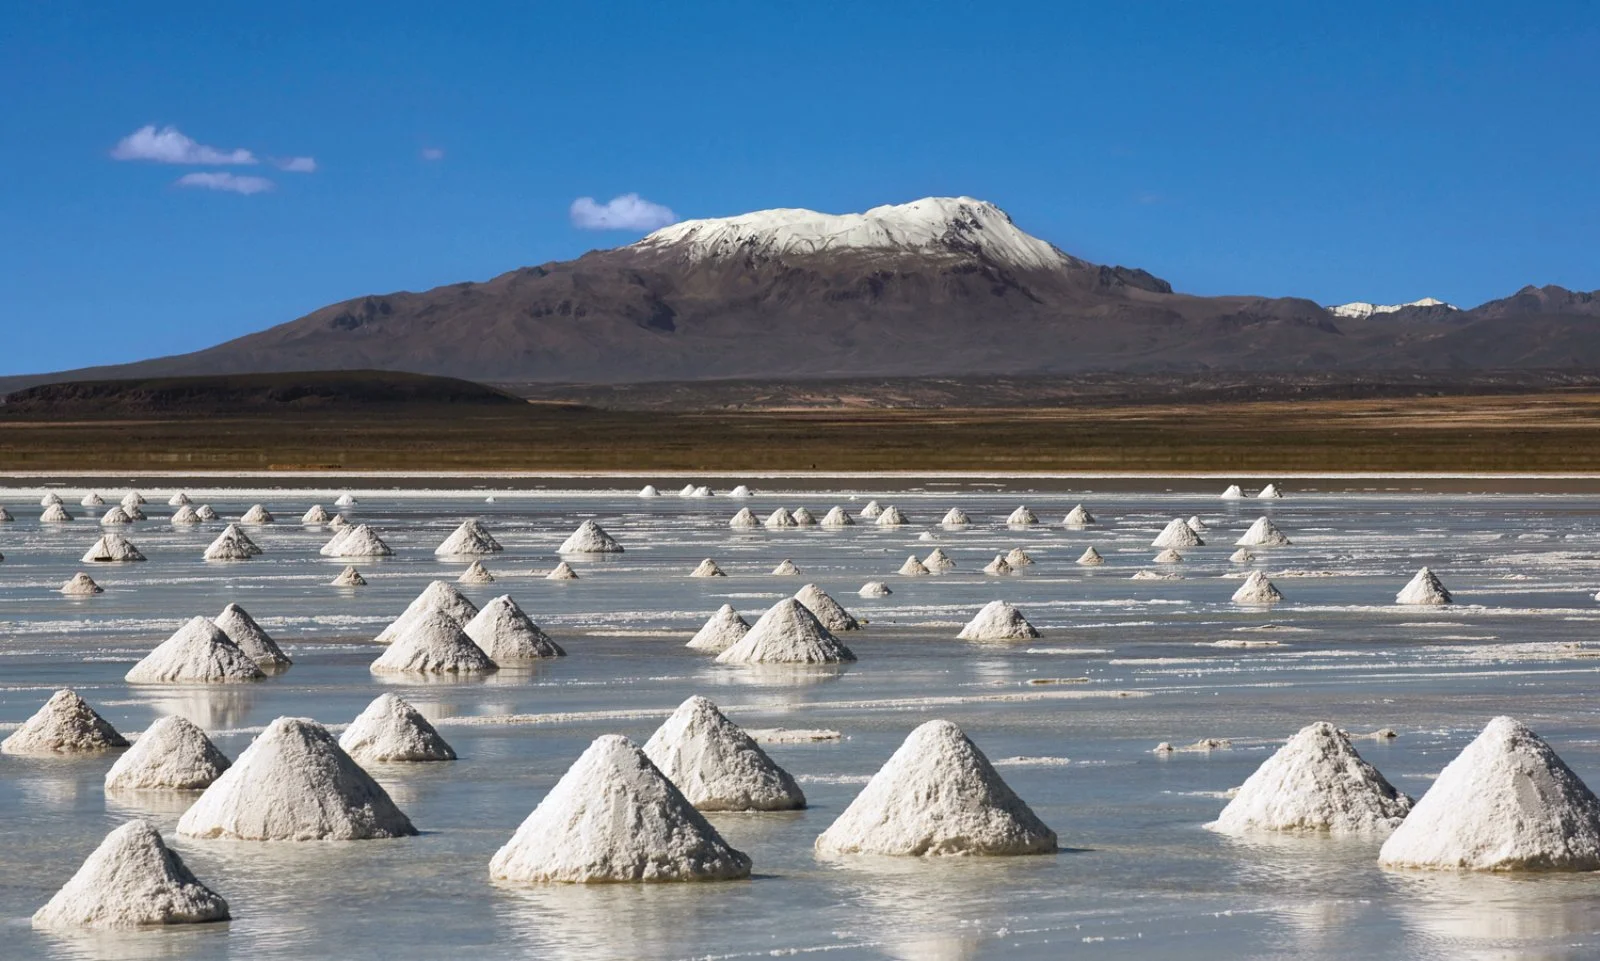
1138,876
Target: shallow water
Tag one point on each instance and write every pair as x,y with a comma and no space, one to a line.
1138,876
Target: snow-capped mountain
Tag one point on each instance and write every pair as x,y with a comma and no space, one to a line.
1360,309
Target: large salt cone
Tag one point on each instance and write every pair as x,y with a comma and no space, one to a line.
716,765
1315,783
132,880
391,730
998,621
171,755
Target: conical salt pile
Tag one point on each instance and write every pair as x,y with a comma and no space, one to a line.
196,653
786,568
938,561
1316,782
391,730
891,517
344,500
780,518
562,572
81,585
913,567
251,638
185,515
787,634
1090,557
1178,534
955,517
721,631
838,517
1424,588
115,517
998,621
1263,533
589,538
294,783
433,643
744,520
437,596
926,537
358,541
66,724
349,577
938,795
1022,516
1257,590
613,817
134,513
716,765
1233,493
871,511
1169,556
257,515
1241,556
875,589
1197,525
1078,517
506,633
133,499
1269,492
132,880
316,516
338,523
649,490
703,491
1506,803
1017,557
688,491
475,573
803,518
471,538
178,500
999,566
739,491
50,499
171,755
707,568
112,549
229,546
205,513
829,611
55,514
91,499
5,516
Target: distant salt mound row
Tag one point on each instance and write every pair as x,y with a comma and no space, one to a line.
90,499
131,880
179,499
470,539
875,589
294,783
50,499
1022,517
740,491
1315,783
1177,534
803,518
1424,588
1017,557
1507,802
132,499
1257,590
745,520
788,633
1090,557
913,567
349,577
780,518
475,573
891,517
1263,533
1269,492
251,638
1233,493
955,517
391,730
1169,556
437,596
433,643
115,517
707,568
938,795
66,724
562,572
999,566
938,561
838,517
196,653
998,621
257,514
721,631
589,538
112,549
185,516
55,514
871,511
1078,517
716,765
359,540
649,490
81,585
827,610
171,755
614,817
505,632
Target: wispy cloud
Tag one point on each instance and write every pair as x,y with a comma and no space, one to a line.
169,145
627,212
234,183
432,153
297,165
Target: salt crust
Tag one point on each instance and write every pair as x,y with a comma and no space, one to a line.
788,633
196,653
65,724
132,880
391,730
998,621
716,765
1317,782
171,755
505,632
721,631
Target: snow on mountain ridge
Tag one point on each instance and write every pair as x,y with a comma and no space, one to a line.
953,225
1359,309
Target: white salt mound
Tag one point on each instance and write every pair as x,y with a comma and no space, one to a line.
5,516
649,490
786,568
703,491
81,585
838,517
1241,556
827,610
251,638
803,518
359,540
475,573
349,577
134,513
171,755
66,724
433,643
1256,589
1269,492
721,631
228,547
955,517
505,632
185,515
744,520
1424,588
1233,493
116,516
780,518
132,880
589,538
1022,516
338,523
344,500
1078,517
871,511
926,537
1090,557
688,491
938,795
913,567
1316,782
875,589
1169,556
739,491
196,653
91,499
891,517
707,568
179,499
437,596
257,515
1017,557
716,765
1507,802
938,561
133,499
613,817
788,633
999,566
1177,534
470,539
205,512
294,783
50,499
1263,533
55,514
998,621
1197,525
391,730
562,572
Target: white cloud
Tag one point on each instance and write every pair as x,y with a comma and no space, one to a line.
226,181
169,146
627,212
432,153
297,165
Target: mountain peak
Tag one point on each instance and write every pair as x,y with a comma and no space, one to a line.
954,226
1358,309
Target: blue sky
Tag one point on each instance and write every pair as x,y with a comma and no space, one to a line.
1357,151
